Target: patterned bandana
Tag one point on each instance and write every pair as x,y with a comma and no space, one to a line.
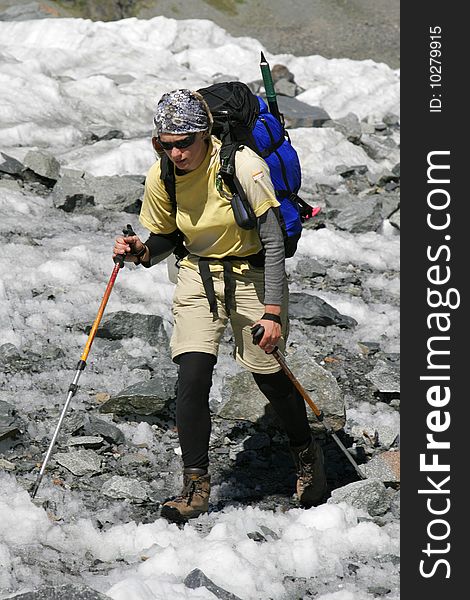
181,111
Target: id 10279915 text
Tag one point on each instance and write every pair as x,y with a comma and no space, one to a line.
435,69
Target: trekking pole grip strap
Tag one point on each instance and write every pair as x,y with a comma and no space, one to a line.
119,259
271,317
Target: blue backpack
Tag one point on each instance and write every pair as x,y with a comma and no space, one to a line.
242,119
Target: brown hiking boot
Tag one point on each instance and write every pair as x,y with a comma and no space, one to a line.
193,500
311,478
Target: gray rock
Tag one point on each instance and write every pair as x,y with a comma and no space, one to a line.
387,177
120,193
367,128
391,186
382,127
349,126
80,462
101,428
279,72
390,204
300,114
11,185
101,132
395,504
6,465
148,398
73,421
197,578
134,460
69,591
43,163
310,267
369,495
72,194
315,311
256,536
321,386
384,467
6,409
283,87
14,360
125,488
339,201
116,192
395,219
378,148
69,172
391,119
386,377
378,591
87,441
28,12
10,165
369,348
363,215
269,532
346,171
242,400
124,325
8,432
10,426
380,434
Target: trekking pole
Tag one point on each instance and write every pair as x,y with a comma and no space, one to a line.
257,332
269,89
119,263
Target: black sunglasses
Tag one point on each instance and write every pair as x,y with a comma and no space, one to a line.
180,144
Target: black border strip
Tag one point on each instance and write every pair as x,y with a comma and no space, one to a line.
434,128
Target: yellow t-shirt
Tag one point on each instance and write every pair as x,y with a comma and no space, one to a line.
204,216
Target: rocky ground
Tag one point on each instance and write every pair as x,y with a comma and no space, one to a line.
358,29
117,457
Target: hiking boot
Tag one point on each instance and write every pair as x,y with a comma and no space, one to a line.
311,478
193,500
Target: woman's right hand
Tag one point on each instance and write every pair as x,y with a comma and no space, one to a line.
129,246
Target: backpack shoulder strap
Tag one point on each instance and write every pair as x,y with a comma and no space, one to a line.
227,164
243,211
167,175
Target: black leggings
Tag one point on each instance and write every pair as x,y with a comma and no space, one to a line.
288,405
193,417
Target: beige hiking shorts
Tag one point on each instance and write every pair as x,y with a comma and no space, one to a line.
196,329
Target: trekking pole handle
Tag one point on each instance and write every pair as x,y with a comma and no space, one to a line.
119,258
257,332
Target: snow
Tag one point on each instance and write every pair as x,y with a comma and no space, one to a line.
59,79
313,543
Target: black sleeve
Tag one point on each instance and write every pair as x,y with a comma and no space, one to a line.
160,246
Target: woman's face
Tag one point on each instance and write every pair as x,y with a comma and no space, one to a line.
191,155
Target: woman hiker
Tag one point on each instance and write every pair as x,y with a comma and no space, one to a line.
221,278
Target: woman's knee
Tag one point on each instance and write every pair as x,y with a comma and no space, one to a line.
195,370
